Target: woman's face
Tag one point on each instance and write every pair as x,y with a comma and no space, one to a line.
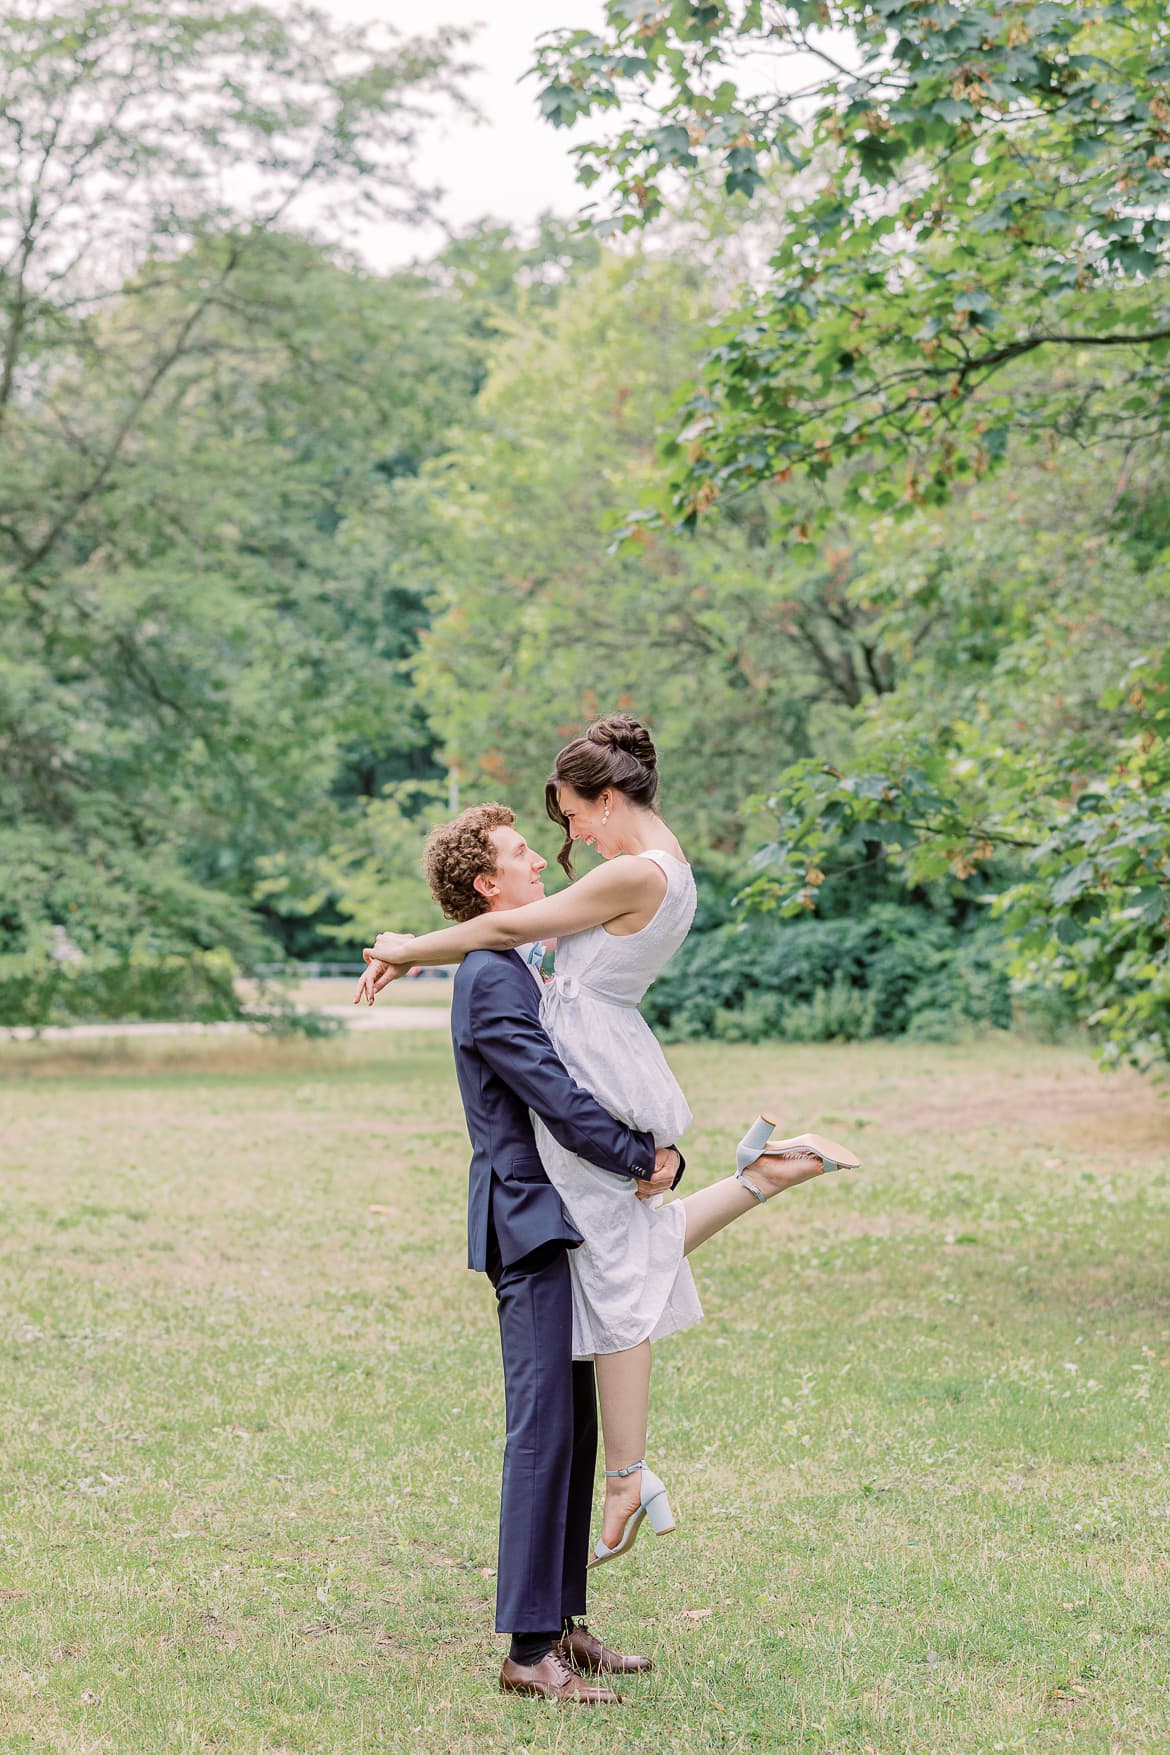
584,819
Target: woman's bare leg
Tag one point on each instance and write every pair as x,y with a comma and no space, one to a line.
623,1379
623,1389
712,1208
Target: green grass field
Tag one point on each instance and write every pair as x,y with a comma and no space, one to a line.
252,1414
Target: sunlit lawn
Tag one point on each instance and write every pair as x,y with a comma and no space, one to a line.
252,1414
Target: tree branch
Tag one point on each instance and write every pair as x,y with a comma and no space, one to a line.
126,425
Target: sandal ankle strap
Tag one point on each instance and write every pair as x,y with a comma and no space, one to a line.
740,1177
622,1473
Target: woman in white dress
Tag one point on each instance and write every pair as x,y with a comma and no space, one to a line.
616,928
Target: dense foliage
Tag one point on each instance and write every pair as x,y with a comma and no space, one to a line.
966,186
890,969
842,477
192,403
969,276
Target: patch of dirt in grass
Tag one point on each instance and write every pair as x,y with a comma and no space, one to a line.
1070,1707
1140,1571
432,1556
1001,1096
1119,1115
226,1636
390,1647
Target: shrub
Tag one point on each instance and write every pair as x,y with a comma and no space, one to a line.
199,985
891,970
841,1013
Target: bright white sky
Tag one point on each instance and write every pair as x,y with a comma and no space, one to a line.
513,167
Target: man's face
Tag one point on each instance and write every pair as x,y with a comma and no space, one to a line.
517,878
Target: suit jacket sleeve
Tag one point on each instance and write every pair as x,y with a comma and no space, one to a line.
507,1032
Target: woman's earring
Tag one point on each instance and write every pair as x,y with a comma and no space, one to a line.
605,816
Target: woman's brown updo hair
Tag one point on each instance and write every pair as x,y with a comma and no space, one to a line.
616,753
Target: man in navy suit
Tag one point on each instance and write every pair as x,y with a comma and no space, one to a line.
518,1232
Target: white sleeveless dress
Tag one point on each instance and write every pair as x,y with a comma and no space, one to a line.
630,1280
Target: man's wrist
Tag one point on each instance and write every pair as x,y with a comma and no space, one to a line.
656,1167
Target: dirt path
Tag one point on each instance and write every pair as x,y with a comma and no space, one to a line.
377,1017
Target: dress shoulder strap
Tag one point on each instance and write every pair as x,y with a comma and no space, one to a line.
666,862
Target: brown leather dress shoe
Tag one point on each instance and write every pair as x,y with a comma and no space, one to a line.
583,1652
552,1679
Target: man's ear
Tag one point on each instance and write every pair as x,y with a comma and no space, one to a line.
485,885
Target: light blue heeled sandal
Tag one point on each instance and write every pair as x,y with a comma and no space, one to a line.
757,1142
653,1506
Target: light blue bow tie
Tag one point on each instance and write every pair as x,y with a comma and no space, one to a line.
535,956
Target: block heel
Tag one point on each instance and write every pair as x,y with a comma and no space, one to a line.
653,1508
757,1142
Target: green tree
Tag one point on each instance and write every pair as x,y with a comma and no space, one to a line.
191,405
966,186
731,652
972,256
1025,749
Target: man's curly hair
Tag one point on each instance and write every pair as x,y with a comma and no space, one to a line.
460,851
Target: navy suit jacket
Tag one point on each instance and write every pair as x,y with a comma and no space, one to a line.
506,1065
